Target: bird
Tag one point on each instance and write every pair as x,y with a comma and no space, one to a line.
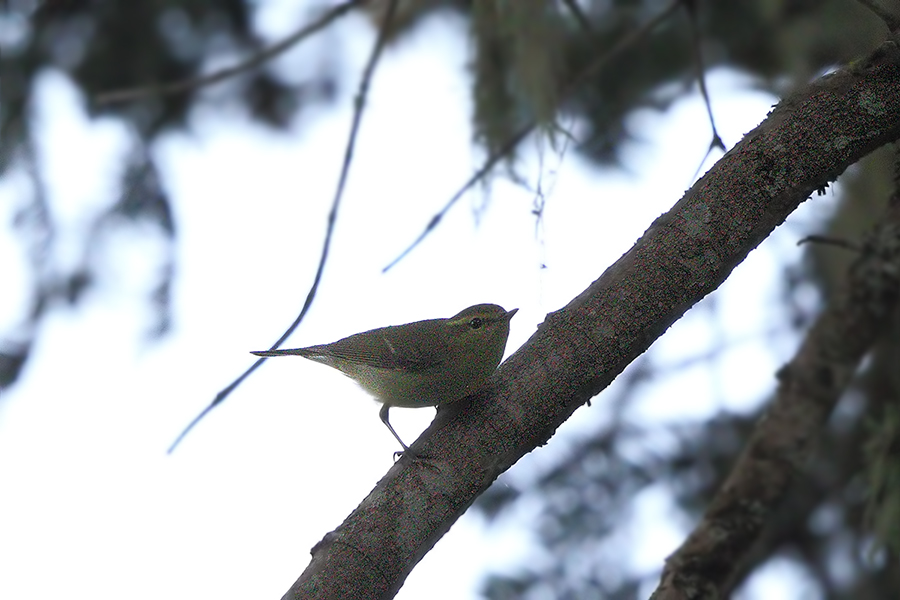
424,363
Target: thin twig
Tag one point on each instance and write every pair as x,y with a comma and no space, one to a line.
716,141
831,241
177,87
624,44
359,104
492,160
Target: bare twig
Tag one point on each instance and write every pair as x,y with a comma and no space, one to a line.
591,71
831,241
706,565
359,104
492,160
716,141
177,87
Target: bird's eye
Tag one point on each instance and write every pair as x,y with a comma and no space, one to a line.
476,323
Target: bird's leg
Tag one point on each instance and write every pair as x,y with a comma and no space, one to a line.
383,414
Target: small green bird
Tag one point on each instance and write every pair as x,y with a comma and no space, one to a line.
426,363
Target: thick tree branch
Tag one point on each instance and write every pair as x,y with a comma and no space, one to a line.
806,142
889,18
809,387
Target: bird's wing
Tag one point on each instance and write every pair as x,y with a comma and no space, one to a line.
425,348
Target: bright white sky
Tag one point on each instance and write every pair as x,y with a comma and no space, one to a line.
91,503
